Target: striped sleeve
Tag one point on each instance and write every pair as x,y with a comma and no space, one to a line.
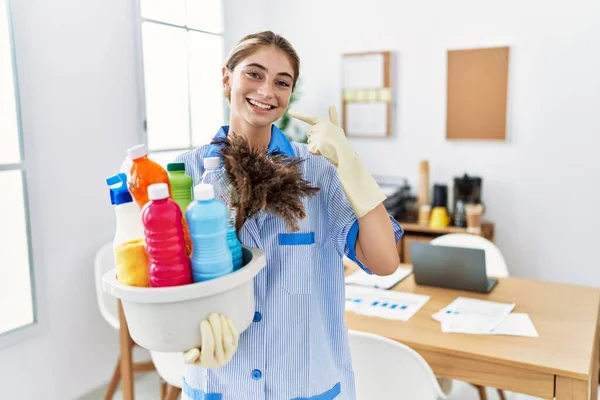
343,222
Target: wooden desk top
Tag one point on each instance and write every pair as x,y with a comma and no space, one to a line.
565,317
414,227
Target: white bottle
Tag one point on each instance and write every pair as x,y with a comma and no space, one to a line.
213,176
126,166
127,211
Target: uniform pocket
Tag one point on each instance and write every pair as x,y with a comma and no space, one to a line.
296,253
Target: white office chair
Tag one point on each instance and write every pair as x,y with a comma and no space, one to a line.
109,308
108,305
494,263
170,368
385,369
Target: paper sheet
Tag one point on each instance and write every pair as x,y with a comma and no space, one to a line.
515,324
382,282
356,296
366,119
393,305
363,71
383,303
472,315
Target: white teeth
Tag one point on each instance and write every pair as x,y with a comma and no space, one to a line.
260,105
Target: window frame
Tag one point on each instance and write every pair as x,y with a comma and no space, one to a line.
139,20
23,332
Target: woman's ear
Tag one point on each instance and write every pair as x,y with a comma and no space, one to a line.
226,83
226,78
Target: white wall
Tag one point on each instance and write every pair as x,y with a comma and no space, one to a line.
80,113
242,18
80,109
542,185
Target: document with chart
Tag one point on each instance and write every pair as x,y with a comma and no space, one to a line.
383,303
472,315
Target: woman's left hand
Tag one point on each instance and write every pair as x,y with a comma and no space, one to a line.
219,343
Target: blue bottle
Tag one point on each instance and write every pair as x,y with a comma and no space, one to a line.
233,242
214,175
207,223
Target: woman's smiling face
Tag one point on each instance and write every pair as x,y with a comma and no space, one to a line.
261,86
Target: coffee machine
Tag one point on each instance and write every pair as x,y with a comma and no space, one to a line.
467,190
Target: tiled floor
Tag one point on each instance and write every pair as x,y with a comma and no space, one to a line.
147,388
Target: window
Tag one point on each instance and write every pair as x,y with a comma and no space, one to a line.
182,56
17,307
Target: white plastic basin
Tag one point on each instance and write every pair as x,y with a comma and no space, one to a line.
168,319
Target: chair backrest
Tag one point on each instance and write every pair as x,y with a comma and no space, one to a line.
108,305
388,370
169,366
494,261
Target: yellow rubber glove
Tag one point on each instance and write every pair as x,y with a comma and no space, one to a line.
219,343
329,140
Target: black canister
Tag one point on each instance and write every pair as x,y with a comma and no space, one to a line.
440,196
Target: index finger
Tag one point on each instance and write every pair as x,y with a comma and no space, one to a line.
333,117
215,323
306,118
208,342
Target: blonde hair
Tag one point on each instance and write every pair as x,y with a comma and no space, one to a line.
251,43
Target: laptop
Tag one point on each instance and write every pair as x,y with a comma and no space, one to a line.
450,267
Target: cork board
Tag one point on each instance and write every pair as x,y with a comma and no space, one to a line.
477,94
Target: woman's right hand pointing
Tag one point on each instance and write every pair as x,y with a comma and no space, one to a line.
329,140
325,137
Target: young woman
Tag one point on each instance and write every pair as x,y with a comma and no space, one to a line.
297,346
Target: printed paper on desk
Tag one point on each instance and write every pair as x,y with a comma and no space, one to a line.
466,324
357,296
516,324
361,278
473,315
393,305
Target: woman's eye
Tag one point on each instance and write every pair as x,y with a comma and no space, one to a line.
253,75
283,83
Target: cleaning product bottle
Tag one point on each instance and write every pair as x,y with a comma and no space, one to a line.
131,260
181,191
165,243
212,175
234,244
126,166
144,172
181,185
207,220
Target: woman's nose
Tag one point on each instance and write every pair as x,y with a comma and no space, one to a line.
265,90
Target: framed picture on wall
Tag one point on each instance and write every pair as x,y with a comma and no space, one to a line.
367,94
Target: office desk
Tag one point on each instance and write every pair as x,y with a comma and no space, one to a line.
561,362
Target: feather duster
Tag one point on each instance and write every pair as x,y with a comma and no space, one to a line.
262,181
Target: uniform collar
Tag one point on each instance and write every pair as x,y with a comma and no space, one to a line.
279,142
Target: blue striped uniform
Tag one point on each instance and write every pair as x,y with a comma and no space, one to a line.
297,347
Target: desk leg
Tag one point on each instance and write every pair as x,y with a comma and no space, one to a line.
596,366
572,389
126,356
